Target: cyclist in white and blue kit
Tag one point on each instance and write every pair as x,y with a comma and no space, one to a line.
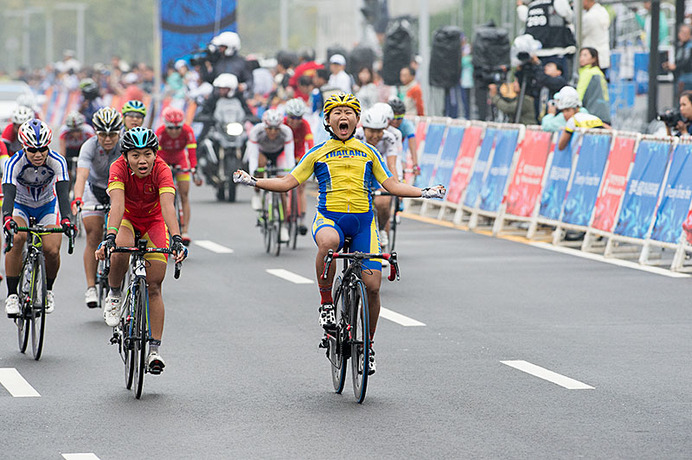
35,184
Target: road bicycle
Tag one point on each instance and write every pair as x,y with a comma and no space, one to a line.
32,288
133,332
101,273
396,203
271,214
351,338
293,217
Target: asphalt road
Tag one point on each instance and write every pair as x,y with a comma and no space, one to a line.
245,379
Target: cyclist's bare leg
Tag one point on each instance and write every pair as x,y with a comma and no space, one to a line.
119,261
93,225
13,259
383,204
156,271
184,190
327,238
51,251
372,282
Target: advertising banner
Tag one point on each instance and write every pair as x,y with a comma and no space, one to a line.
188,25
556,186
431,149
593,155
614,184
450,150
479,168
528,176
464,162
677,194
496,181
643,188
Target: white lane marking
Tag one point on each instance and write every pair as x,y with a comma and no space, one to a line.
213,247
80,457
618,262
289,276
550,376
399,318
12,380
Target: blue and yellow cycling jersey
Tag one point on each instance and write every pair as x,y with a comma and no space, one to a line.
344,171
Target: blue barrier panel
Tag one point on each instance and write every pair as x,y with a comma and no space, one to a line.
426,161
494,186
643,188
479,167
556,186
450,151
676,197
588,173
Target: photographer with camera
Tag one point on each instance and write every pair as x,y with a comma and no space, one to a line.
222,57
90,101
679,121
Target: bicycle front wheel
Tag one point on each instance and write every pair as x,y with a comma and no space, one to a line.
38,310
101,284
127,325
360,339
338,343
392,224
140,335
23,321
266,224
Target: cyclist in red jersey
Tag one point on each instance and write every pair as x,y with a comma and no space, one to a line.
304,141
10,135
178,147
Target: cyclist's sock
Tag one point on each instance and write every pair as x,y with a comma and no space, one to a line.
49,283
154,346
12,283
326,294
115,292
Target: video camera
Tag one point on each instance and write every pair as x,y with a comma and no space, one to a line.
209,54
670,117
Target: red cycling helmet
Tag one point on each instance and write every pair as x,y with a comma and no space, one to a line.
173,116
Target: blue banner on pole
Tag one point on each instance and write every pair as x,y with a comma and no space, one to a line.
188,25
450,151
676,197
431,149
588,173
643,189
479,167
496,181
556,186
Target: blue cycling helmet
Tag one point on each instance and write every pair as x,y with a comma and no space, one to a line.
139,138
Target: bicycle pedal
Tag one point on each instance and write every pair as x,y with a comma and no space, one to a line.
324,343
115,339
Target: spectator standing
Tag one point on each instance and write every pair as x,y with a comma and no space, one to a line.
508,103
367,93
132,90
466,77
645,23
339,78
307,67
682,67
548,22
592,86
410,92
596,31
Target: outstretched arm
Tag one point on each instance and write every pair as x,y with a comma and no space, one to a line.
274,184
393,186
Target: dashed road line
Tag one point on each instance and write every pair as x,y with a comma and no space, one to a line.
289,276
80,457
545,374
13,382
213,247
399,318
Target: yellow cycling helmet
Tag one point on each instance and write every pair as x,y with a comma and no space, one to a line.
341,100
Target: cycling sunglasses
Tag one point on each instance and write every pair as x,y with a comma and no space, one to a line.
35,150
399,117
174,126
293,117
133,115
107,134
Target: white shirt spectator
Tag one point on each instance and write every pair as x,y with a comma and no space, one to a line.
340,80
596,33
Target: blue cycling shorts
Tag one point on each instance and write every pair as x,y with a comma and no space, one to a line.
360,227
44,215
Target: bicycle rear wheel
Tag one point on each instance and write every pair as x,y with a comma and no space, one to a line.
292,218
38,307
140,334
101,284
360,340
392,225
276,224
338,343
23,321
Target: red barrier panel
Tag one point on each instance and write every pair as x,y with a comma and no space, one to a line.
614,184
526,184
464,162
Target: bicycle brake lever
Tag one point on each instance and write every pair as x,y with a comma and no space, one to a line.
393,267
178,265
327,263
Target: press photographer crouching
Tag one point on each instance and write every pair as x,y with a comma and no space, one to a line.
679,121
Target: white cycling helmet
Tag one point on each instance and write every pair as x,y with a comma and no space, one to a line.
567,98
374,119
22,114
296,108
226,80
385,109
74,120
272,118
230,40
